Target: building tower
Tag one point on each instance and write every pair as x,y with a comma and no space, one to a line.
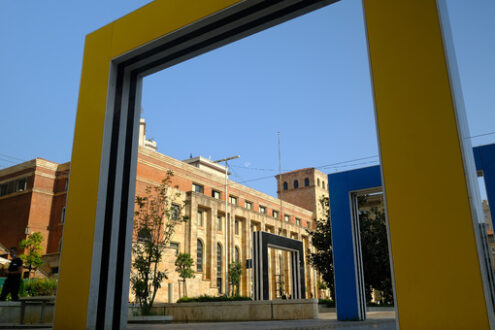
304,188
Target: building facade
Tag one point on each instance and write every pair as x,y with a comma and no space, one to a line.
32,199
201,186
305,188
33,196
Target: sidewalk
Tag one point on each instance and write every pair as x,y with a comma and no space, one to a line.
376,320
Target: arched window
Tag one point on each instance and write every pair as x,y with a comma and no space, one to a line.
219,267
236,254
318,182
199,257
296,184
286,185
323,184
306,182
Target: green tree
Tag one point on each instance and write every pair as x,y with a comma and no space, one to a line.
322,258
32,259
183,266
155,218
235,272
373,232
376,264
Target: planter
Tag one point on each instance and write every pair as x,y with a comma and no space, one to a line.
237,310
10,312
324,309
150,319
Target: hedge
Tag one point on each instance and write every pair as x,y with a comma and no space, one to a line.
207,298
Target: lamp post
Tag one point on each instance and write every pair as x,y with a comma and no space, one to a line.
227,228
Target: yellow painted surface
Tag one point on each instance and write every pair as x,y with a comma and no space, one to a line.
75,264
437,272
126,34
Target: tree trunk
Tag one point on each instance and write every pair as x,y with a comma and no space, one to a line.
185,288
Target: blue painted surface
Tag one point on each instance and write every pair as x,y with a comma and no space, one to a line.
346,286
484,157
340,185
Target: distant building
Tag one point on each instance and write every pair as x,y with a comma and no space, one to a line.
304,188
489,229
32,199
33,195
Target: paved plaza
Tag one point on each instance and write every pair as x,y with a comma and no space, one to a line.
376,320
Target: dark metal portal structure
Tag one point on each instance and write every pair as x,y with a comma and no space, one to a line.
261,242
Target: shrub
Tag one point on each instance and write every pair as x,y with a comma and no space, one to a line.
372,304
328,302
40,287
206,298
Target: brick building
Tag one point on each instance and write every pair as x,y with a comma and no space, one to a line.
32,199
304,188
33,195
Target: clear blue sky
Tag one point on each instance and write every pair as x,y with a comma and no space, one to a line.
307,78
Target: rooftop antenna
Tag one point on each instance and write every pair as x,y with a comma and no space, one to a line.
280,178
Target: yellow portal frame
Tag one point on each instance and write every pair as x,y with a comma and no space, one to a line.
434,244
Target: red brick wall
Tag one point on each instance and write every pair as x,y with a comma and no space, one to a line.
42,209
184,178
14,215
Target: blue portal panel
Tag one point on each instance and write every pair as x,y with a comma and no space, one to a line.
351,304
484,157
350,301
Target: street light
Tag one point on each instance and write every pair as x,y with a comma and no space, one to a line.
227,250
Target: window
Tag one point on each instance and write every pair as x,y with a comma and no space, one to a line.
62,215
249,205
216,194
287,218
54,270
4,189
318,182
198,188
306,182
199,257
20,185
275,214
323,184
236,254
66,184
219,223
219,267
286,185
308,224
174,246
298,221
296,184
199,218
233,200
175,212
236,227
144,235
262,209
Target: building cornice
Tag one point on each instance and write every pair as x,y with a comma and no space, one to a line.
200,174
